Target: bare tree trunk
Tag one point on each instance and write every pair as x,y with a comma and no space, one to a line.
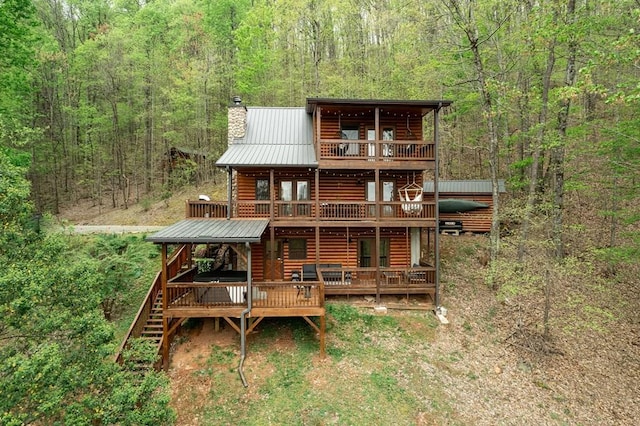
465,20
533,183
547,306
558,152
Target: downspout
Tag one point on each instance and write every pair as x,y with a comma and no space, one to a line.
436,197
243,314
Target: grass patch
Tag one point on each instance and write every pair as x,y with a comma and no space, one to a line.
374,374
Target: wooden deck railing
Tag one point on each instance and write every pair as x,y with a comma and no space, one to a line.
376,150
199,208
135,330
271,294
368,278
328,210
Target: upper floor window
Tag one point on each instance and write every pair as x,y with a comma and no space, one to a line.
295,191
263,193
349,132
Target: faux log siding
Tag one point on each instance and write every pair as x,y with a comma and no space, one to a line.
330,126
478,220
333,249
334,186
247,181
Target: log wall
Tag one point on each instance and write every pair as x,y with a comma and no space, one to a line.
331,126
334,248
478,220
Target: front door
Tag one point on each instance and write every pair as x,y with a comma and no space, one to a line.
273,267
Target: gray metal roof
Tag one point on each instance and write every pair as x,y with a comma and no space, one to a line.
425,105
212,231
275,137
464,186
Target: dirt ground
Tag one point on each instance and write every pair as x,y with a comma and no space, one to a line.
591,379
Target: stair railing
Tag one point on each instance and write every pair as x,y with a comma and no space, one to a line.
135,330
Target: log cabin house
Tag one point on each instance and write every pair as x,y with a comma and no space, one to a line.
325,199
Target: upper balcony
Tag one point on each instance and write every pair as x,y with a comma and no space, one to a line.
374,134
387,154
332,212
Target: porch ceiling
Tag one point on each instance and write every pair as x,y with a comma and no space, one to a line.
212,231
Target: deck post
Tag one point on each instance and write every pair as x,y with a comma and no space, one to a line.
378,273
323,326
436,240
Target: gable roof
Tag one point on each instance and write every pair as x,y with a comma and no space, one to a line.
274,137
477,186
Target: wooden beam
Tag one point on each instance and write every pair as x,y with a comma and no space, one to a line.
311,323
232,324
236,249
178,323
254,324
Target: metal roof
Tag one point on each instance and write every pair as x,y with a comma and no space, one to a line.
478,186
212,231
425,105
275,137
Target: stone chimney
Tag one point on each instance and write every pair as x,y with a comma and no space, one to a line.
237,120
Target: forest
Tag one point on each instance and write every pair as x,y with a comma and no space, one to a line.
94,94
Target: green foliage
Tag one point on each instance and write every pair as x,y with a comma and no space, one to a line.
118,262
15,206
56,359
17,61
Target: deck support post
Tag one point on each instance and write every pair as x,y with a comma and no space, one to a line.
323,326
436,198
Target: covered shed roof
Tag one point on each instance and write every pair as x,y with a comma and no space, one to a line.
478,186
275,137
202,231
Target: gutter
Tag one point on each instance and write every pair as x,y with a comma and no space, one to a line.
243,314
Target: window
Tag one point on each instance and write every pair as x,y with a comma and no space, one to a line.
387,135
302,194
297,249
298,191
387,191
387,195
262,194
349,132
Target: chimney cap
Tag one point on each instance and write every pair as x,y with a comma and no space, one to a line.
237,100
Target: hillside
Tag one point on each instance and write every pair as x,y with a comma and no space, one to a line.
490,365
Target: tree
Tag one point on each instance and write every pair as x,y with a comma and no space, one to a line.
463,15
15,206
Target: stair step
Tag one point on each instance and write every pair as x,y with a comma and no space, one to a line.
152,325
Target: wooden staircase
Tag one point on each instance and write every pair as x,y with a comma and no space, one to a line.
152,329
147,325
151,335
